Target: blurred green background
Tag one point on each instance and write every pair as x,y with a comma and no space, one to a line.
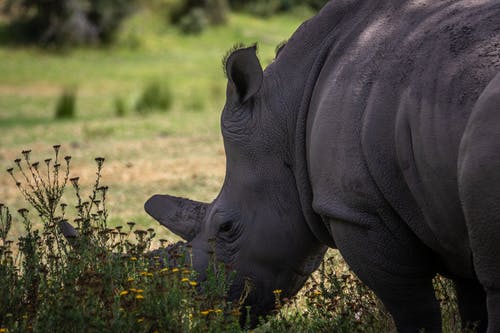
138,82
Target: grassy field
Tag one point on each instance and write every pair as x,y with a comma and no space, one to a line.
179,151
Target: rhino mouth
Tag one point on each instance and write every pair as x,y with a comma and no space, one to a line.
174,255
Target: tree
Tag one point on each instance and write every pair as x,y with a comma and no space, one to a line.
67,22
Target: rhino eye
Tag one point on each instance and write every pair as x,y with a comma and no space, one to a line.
226,226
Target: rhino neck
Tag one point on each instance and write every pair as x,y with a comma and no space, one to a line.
296,69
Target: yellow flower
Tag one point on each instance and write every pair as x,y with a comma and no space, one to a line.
140,320
139,291
186,271
130,279
205,313
139,297
150,274
163,270
144,273
3,330
218,311
184,280
25,316
193,283
133,290
317,293
277,291
124,292
175,270
133,258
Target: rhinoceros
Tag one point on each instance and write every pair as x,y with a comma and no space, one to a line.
376,130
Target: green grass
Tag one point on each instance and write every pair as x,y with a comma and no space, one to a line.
156,153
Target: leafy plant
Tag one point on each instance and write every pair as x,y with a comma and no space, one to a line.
61,22
66,104
77,274
120,107
155,96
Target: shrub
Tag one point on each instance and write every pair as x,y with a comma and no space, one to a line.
92,277
194,22
193,16
66,104
62,22
155,96
120,107
271,7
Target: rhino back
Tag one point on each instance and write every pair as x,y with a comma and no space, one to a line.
388,113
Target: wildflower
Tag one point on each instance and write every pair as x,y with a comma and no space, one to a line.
193,283
74,181
186,271
139,296
133,259
139,291
3,330
317,293
164,270
130,279
150,274
205,313
124,292
140,320
99,161
184,280
144,273
175,270
218,311
133,290
277,291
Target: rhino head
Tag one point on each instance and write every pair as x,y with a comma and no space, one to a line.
255,224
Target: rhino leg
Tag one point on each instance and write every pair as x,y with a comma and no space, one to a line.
479,187
395,267
472,304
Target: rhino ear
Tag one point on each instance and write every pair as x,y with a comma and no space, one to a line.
181,216
244,73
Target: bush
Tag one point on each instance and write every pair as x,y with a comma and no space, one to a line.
66,104
120,107
62,22
93,277
192,16
271,7
155,96
194,22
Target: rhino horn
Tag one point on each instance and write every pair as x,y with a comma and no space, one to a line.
181,216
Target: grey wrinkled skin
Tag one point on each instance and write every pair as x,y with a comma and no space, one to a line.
376,130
